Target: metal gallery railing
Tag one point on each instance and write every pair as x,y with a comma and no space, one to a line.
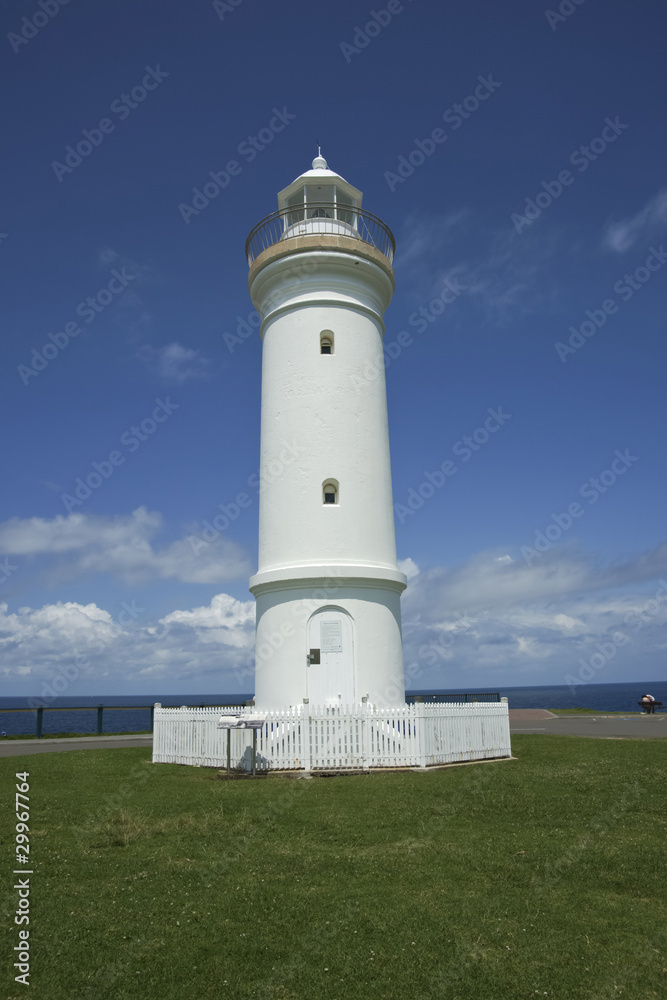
321,218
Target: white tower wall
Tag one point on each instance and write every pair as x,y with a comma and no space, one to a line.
337,428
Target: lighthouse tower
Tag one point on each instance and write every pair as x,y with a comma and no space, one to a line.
327,587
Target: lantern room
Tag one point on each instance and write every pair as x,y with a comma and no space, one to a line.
319,201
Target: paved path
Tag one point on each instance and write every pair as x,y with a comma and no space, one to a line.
15,748
609,727
530,713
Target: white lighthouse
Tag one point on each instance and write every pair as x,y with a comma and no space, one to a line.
327,587
329,690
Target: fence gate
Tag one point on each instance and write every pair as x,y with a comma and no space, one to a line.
337,739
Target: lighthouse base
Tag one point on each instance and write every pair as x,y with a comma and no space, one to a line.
328,641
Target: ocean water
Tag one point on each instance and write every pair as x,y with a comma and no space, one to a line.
79,715
601,697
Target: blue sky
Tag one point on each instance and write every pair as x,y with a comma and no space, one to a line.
534,200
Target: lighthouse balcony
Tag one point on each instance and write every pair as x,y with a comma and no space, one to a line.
320,219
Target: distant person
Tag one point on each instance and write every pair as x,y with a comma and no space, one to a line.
648,703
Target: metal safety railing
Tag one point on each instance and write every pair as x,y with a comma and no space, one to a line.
321,218
39,710
444,698
100,709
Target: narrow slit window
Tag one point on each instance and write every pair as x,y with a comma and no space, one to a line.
330,492
326,342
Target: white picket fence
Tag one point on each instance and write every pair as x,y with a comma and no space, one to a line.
360,736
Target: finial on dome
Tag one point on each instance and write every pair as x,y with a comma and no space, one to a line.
319,163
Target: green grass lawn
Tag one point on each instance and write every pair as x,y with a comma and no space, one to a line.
541,876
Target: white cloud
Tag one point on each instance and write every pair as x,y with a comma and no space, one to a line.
80,649
34,535
225,620
57,624
409,567
122,546
173,363
488,580
503,622
621,236
493,621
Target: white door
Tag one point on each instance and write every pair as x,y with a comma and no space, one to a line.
331,681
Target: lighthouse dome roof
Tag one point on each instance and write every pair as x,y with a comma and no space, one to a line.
320,176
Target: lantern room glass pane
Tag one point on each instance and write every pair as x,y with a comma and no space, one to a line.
321,198
295,201
344,213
